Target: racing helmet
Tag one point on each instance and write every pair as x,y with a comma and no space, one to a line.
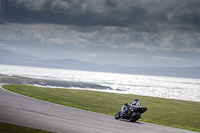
136,100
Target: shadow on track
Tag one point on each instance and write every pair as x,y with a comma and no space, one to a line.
125,120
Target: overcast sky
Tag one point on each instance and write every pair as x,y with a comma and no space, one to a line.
124,32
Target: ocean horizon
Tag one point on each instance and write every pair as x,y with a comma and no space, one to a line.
156,86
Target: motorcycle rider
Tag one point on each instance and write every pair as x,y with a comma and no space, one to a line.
124,109
137,103
126,106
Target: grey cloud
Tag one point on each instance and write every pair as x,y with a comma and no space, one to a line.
140,15
108,36
110,3
142,24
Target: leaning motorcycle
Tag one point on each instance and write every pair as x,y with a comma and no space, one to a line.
133,113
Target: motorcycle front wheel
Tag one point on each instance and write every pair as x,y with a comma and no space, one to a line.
117,116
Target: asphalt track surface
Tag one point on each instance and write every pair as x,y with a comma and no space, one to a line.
22,110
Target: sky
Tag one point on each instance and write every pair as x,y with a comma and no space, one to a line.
124,32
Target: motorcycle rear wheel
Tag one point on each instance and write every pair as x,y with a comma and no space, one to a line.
136,117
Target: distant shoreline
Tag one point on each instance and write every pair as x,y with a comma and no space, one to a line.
42,82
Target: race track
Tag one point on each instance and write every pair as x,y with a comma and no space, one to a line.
30,112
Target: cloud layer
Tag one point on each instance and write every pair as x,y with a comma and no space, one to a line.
150,25
140,15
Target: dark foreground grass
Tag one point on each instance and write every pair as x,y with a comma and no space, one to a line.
174,113
10,128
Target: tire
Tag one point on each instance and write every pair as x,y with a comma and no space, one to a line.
136,117
117,116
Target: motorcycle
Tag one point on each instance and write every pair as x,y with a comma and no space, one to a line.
133,113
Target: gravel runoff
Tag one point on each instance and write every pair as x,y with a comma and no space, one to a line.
22,110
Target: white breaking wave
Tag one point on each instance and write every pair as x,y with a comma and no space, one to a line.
156,86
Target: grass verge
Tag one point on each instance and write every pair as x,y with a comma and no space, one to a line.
10,128
168,112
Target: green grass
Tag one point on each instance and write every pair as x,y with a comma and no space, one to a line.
10,128
174,113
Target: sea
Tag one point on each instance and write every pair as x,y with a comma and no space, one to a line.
156,86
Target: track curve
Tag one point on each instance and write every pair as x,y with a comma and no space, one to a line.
30,112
